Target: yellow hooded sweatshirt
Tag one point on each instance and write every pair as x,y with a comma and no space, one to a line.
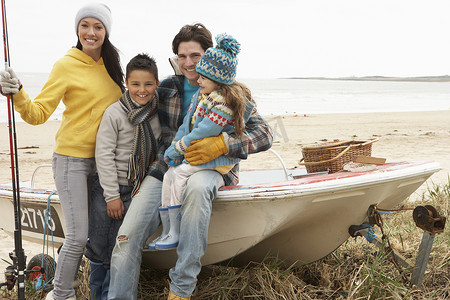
86,90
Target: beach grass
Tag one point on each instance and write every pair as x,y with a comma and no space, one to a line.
356,270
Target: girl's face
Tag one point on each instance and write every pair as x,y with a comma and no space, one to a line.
142,86
91,33
207,86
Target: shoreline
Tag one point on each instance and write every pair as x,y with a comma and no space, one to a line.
443,78
402,136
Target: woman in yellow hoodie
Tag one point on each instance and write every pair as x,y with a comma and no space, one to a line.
87,79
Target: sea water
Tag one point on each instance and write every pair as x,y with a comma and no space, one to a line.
309,96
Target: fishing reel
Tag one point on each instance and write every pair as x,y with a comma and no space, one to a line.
10,273
36,275
10,278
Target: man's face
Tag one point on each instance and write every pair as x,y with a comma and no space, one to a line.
189,53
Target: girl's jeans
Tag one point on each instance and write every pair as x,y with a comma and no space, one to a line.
142,220
174,183
72,176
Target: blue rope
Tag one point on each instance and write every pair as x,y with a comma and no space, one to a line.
384,212
370,236
45,241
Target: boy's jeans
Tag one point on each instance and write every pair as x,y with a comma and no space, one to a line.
102,237
142,220
103,229
98,281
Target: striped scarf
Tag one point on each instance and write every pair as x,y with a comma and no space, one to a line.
144,145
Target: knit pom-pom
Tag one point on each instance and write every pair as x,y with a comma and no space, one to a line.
228,43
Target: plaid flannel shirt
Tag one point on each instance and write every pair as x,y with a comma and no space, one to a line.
257,137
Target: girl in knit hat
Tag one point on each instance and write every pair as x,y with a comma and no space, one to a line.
87,79
222,105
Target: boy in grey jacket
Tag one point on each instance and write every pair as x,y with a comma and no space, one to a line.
126,145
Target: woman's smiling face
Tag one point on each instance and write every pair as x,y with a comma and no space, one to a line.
91,34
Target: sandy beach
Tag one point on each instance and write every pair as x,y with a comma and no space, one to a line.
402,136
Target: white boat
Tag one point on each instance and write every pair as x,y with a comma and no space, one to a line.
296,216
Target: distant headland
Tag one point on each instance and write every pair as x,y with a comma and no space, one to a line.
443,78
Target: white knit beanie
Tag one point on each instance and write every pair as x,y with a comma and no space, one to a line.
95,10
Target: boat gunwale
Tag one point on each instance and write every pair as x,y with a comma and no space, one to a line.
289,188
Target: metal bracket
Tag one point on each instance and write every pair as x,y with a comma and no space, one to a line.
363,230
427,218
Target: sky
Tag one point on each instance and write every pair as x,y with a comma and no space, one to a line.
282,38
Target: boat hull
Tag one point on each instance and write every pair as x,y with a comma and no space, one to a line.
298,220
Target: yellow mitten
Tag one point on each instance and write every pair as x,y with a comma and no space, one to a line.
205,150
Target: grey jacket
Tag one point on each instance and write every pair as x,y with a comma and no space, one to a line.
115,138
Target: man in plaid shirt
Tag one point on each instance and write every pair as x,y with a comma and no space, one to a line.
142,218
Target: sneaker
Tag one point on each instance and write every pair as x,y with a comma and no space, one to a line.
50,297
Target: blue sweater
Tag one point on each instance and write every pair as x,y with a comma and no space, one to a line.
208,116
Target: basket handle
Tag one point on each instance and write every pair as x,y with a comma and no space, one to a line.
360,143
325,161
370,142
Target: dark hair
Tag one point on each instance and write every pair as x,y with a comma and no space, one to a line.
142,62
111,59
197,33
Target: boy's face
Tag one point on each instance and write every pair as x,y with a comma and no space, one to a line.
142,86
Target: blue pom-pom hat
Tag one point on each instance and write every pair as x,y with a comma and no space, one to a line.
219,63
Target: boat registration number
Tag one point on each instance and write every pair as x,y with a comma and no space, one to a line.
33,219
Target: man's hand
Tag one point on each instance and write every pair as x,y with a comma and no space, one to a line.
115,209
10,83
205,150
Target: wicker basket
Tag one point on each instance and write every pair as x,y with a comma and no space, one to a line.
332,156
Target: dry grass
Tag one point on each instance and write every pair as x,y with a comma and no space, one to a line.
356,270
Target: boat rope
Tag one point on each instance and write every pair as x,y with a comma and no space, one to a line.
370,236
45,242
394,210
379,222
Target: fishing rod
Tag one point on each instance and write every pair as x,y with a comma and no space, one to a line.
18,256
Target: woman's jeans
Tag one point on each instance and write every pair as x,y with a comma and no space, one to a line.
72,176
142,220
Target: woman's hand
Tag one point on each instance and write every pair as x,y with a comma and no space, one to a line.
10,83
